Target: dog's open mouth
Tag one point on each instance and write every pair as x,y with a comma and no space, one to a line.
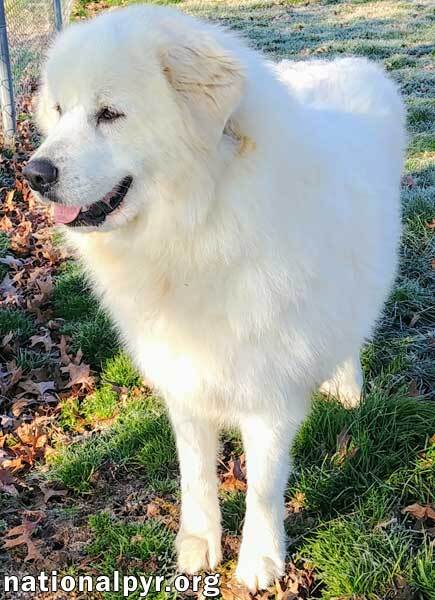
96,213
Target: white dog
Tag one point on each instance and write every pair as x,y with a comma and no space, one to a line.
240,221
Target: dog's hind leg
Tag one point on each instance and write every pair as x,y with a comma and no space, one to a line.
346,383
199,538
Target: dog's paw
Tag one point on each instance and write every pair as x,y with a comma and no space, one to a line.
196,553
257,571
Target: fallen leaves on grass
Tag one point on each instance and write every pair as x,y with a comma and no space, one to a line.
345,448
234,479
295,585
79,375
36,366
7,483
22,535
30,446
401,589
232,590
52,493
44,339
230,545
165,512
420,512
297,503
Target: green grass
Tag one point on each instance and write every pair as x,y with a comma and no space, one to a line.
424,571
398,61
72,298
95,337
141,439
423,142
28,359
233,511
70,415
16,321
421,114
119,370
4,244
99,406
89,327
369,555
384,435
102,404
118,374
131,548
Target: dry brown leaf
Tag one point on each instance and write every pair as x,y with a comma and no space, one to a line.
235,478
46,286
232,590
7,338
20,405
420,512
13,464
297,503
408,181
152,510
45,340
287,588
6,224
231,544
22,535
31,435
9,199
7,483
79,375
64,357
51,493
344,448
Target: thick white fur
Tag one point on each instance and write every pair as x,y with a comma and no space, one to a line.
253,254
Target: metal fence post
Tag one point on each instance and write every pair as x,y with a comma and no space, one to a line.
7,103
57,5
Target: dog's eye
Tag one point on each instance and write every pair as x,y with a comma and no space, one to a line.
108,114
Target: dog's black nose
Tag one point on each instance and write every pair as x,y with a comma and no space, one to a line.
41,174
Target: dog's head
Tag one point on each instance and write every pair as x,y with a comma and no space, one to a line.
128,102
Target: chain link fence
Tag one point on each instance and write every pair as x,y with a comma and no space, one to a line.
26,28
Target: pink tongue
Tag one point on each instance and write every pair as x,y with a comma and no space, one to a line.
65,214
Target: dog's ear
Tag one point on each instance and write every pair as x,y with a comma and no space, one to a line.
208,81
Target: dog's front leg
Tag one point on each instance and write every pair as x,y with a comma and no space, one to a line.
262,554
199,538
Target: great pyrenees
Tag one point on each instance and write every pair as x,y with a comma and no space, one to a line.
240,221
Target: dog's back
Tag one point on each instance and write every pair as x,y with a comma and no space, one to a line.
353,85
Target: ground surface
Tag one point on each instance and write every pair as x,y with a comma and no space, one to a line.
88,473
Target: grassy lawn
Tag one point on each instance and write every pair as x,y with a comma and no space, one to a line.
360,497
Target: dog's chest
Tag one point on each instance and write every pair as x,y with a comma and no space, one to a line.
175,308
176,330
